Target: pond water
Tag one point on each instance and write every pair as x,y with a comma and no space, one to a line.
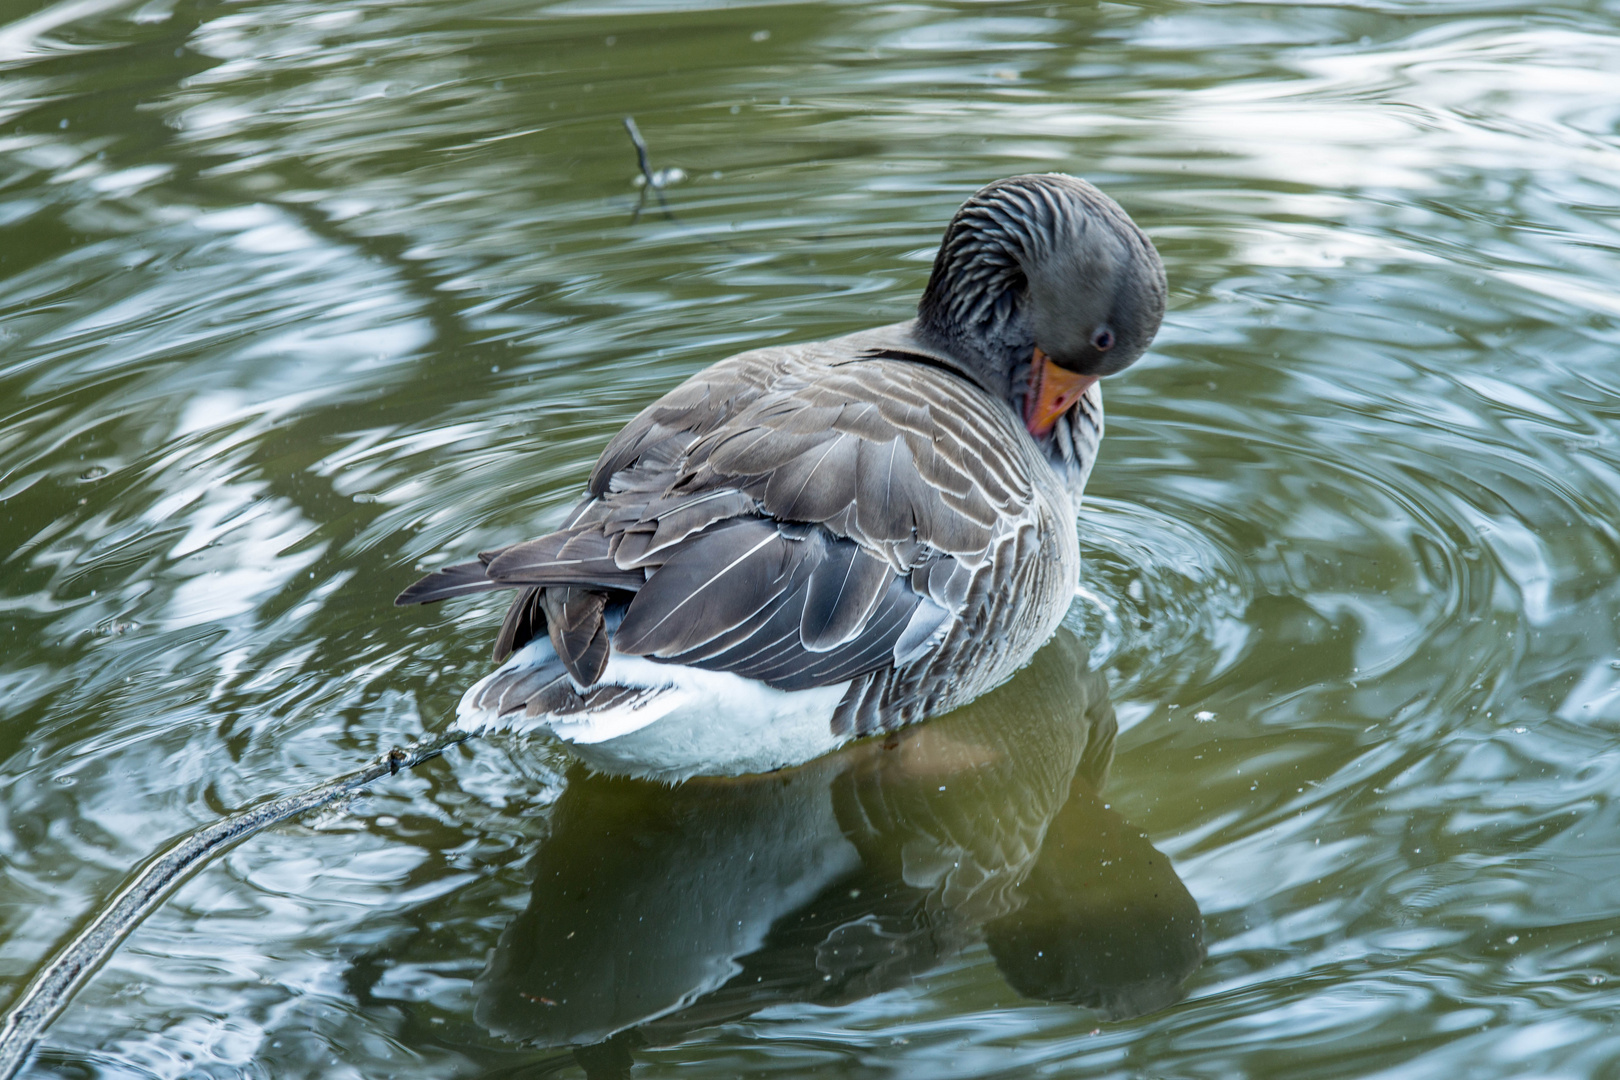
300,297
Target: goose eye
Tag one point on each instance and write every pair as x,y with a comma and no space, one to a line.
1102,340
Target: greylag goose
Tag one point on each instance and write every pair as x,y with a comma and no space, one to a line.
804,544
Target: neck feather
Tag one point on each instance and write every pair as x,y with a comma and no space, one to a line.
974,305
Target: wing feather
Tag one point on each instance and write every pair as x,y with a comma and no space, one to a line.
815,485
678,518
873,648
781,517
719,579
840,595
578,630
525,619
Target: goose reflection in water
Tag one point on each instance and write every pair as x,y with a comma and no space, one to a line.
656,911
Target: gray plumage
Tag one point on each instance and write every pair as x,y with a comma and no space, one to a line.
869,509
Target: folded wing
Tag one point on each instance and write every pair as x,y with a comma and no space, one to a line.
799,530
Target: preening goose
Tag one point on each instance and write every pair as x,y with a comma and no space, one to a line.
804,544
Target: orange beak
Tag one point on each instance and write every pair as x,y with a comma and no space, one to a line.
1052,392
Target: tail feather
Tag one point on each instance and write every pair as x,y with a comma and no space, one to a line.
525,620
537,683
462,579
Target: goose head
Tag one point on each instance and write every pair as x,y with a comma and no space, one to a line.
1042,286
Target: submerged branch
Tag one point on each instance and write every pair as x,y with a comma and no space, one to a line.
55,984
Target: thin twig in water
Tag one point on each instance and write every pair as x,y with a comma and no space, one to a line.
641,148
56,983
653,181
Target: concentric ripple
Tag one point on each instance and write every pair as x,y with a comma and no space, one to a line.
1160,601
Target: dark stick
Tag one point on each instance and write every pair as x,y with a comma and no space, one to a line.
56,983
641,149
654,182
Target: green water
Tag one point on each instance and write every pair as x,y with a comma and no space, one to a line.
299,298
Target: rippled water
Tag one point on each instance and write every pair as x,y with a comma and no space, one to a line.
297,298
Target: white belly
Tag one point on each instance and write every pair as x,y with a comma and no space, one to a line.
689,722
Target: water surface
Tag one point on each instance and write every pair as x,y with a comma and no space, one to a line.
299,298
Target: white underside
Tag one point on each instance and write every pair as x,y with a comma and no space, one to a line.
690,722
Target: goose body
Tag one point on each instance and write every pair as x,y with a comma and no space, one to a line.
805,544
